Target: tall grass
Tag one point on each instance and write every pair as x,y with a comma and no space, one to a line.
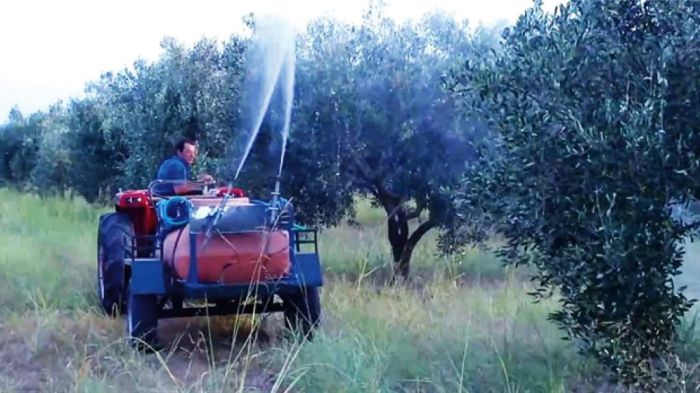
362,251
48,249
470,327
440,338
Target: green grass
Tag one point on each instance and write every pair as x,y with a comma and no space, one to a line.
469,326
363,252
440,338
48,249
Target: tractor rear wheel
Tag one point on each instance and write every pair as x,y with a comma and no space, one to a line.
114,238
302,310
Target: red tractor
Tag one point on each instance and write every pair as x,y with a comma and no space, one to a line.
212,253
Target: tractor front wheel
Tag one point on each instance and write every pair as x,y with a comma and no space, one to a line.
114,238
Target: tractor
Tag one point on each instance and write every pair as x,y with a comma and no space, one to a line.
212,252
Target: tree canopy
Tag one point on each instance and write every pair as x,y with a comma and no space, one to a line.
595,107
373,115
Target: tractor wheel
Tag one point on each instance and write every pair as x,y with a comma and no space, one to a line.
114,237
142,321
302,310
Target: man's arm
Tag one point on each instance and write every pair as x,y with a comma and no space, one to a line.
187,188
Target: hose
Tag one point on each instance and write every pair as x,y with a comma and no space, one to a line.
170,204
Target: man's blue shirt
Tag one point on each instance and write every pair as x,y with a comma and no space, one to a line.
174,168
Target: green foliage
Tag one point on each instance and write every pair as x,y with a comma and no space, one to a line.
372,118
96,150
188,92
52,170
595,108
371,106
20,139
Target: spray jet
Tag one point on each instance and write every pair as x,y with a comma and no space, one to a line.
270,73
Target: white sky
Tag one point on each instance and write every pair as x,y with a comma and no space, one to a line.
49,49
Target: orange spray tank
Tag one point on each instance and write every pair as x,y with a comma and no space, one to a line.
229,258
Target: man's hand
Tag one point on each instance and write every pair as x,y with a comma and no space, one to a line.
206,179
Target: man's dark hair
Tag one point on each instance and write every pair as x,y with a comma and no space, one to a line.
180,145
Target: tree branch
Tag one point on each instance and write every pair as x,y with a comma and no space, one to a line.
417,235
375,178
403,266
365,171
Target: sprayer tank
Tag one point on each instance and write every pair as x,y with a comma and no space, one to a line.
231,258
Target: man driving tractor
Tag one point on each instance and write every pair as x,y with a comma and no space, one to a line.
179,168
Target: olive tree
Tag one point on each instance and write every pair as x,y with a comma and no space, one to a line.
371,116
595,108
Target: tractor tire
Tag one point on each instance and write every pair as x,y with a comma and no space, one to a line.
142,321
302,311
114,238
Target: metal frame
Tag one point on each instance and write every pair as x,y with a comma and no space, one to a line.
302,237
152,276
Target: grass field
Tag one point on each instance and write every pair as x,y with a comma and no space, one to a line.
465,324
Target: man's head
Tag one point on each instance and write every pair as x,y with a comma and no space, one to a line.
186,150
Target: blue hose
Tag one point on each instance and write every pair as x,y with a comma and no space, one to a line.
171,211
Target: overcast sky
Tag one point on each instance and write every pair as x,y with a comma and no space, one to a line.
49,49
